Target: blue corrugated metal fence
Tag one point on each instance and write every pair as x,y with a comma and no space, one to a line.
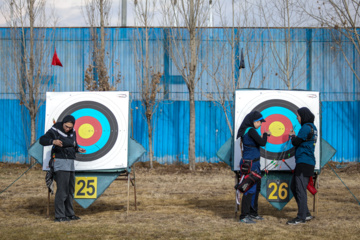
320,67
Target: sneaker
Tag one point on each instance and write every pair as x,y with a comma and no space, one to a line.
256,217
247,220
74,217
295,221
62,219
308,217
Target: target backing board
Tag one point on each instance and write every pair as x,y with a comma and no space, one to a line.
279,109
101,127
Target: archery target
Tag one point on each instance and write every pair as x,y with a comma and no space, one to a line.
279,109
101,126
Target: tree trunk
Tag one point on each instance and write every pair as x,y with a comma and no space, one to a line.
103,74
192,156
288,46
30,76
191,84
150,142
33,133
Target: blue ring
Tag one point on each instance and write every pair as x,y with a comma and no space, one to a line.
105,125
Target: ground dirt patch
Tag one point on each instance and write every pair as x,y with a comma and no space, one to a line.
175,203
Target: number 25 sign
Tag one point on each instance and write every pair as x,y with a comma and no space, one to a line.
85,187
277,190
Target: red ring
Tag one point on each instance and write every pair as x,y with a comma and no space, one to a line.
280,118
97,130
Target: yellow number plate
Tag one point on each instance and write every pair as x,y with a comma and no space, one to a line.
85,187
277,190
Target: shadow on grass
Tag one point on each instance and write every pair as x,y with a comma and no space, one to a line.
222,208
99,206
341,199
38,206
226,208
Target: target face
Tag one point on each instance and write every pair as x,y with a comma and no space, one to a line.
101,126
280,117
279,110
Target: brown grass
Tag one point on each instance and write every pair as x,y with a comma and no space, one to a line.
174,203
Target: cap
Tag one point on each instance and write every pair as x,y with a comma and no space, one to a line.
260,119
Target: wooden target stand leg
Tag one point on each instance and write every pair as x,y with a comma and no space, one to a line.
316,196
126,176
48,205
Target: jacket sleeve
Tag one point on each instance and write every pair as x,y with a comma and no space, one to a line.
48,138
257,138
296,141
301,137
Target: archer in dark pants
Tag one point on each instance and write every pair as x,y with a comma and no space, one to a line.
254,207
62,137
249,203
298,188
251,151
304,144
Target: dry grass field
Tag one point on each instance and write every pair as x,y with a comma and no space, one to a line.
174,203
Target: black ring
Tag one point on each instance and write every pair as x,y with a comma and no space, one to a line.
113,127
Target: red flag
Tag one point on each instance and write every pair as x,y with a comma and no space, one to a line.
56,60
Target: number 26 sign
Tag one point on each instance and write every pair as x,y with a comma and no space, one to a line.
85,187
277,190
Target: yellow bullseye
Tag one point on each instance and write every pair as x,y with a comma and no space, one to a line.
277,129
86,131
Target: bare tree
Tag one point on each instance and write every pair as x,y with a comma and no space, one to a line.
148,71
342,18
27,69
184,49
96,14
255,51
283,14
225,65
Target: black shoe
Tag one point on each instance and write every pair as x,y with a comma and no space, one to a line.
74,217
62,219
256,217
295,221
308,217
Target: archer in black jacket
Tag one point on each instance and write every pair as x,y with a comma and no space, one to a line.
63,138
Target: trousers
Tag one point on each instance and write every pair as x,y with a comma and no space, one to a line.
64,197
298,188
249,202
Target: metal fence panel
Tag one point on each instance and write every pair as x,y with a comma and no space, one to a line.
321,67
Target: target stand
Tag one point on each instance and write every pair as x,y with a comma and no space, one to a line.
102,129
277,159
89,186
87,178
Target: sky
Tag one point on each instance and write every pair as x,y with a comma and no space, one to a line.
71,15
70,12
